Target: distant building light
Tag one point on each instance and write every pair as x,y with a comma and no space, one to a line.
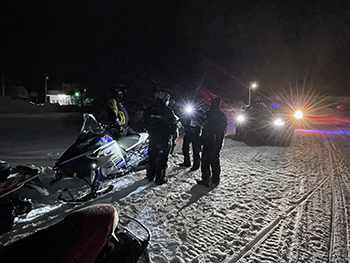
61,99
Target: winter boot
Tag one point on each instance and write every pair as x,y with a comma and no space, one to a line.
150,176
194,168
161,179
203,183
185,164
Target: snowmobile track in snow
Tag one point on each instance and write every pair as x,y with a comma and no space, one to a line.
268,230
272,234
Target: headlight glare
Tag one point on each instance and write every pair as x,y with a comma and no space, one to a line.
278,122
298,114
240,118
189,109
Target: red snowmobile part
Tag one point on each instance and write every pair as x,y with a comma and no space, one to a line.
79,238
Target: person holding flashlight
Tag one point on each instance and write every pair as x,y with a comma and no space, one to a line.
192,122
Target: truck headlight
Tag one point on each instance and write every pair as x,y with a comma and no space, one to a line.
298,114
278,122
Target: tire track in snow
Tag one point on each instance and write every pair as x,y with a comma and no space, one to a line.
346,196
295,211
339,247
284,234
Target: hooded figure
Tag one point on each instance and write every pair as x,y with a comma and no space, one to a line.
212,140
161,124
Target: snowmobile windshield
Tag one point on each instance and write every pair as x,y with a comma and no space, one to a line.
91,127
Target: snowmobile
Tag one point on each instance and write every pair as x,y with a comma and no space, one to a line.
95,156
12,204
92,234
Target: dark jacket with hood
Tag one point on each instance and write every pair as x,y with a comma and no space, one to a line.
215,123
160,121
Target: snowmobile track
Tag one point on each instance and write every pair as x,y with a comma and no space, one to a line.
277,231
268,230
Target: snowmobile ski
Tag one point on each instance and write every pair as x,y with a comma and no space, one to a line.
69,198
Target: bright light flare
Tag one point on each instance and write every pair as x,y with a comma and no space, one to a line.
189,109
254,85
298,114
278,122
240,118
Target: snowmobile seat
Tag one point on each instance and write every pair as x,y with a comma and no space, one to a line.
128,141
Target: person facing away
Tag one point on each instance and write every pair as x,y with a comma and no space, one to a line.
118,114
212,140
192,122
161,124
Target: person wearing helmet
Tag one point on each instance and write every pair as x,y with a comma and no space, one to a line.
192,121
212,140
161,124
118,114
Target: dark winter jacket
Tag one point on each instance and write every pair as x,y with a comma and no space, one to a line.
161,121
215,125
195,120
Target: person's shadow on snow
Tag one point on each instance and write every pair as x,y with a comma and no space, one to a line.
197,191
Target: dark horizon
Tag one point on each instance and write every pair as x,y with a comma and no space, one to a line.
178,45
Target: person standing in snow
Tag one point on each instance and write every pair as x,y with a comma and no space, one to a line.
192,122
212,140
161,124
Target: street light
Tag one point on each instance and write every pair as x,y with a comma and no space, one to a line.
46,79
254,85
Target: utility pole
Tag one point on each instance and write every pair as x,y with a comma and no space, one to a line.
46,79
252,86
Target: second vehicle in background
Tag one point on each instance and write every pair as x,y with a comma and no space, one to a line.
266,123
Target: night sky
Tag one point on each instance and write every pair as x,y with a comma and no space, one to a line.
181,45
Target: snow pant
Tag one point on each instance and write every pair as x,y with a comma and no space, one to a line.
158,152
192,136
211,161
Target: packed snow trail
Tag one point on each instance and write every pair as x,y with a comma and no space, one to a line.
287,192
273,204
309,233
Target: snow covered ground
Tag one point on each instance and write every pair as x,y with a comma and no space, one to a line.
273,204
